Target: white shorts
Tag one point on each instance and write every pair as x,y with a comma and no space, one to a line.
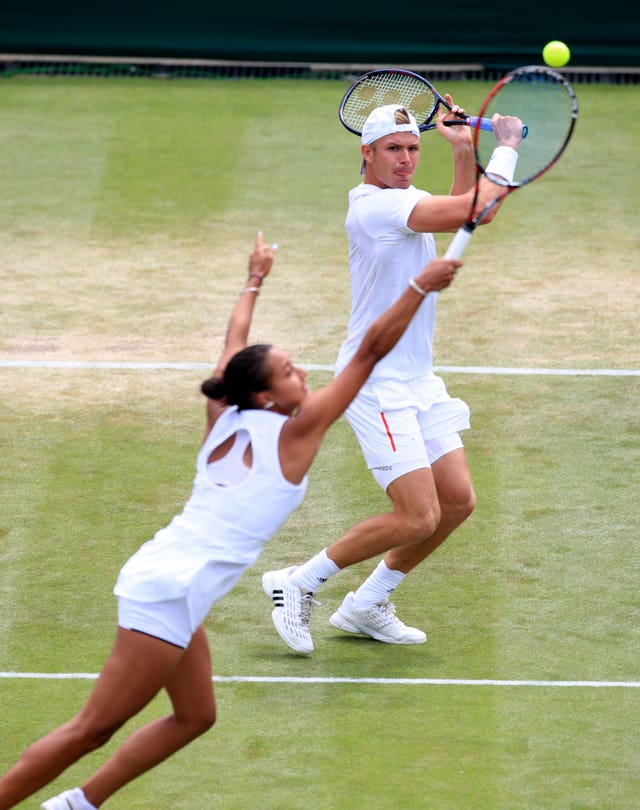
169,621
176,617
406,425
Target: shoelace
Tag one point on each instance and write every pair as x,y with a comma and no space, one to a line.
388,607
382,614
307,603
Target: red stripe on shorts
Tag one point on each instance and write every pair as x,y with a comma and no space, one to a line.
386,427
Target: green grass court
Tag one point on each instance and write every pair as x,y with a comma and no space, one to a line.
129,208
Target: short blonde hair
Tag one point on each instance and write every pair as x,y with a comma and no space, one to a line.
387,120
401,116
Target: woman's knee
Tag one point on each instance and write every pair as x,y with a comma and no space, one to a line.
206,720
197,723
88,734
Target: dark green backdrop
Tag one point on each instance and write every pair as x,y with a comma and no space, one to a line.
334,31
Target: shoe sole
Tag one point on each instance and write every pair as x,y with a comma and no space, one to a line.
338,621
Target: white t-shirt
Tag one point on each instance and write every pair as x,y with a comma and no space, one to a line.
384,253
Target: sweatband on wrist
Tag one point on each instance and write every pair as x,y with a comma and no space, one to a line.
503,163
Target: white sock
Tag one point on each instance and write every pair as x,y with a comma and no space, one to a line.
81,800
378,586
312,574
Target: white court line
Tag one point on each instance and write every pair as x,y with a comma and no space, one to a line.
329,680
167,366
375,681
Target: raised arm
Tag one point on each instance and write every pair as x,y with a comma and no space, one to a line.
303,433
440,214
260,263
237,334
460,138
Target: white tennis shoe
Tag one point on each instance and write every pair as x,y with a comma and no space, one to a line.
378,621
69,800
292,610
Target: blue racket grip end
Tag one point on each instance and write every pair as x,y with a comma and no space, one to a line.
485,123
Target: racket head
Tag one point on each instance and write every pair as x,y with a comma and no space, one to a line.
383,86
547,105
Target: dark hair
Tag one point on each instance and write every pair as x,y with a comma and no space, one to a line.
247,373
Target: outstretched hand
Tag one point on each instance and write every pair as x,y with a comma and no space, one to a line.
438,274
260,262
261,259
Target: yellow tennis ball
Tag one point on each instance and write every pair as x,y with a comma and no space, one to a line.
556,53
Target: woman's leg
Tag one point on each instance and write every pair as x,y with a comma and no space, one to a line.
135,671
190,690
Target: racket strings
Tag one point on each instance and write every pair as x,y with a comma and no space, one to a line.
548,108
389,88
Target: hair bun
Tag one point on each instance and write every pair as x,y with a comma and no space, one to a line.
213,388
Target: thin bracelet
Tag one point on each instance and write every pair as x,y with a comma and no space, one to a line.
255,275
256,290
415,286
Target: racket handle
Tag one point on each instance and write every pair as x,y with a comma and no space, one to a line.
470,121
485,123
480,123
459,243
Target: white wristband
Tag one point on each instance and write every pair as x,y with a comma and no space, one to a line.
503,163
251,289
415,286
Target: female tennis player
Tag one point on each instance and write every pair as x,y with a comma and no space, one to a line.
263,430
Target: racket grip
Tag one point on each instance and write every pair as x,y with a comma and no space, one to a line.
485,123
459,243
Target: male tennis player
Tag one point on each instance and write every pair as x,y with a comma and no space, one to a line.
407,424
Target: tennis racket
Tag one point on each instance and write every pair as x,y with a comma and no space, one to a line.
402,87
548,103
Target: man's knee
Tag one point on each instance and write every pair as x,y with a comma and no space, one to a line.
416,505
420,523
459,503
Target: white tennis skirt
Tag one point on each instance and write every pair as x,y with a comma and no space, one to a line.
176,619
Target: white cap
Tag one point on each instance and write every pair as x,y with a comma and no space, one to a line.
382,122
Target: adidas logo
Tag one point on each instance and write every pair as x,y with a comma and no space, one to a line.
278,597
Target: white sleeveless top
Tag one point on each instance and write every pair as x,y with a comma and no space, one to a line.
220,523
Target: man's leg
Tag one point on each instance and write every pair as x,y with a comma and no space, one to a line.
368,611
415,515
456,500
